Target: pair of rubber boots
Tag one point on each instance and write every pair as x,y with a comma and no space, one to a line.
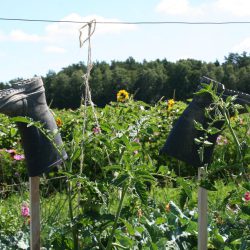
27,98
181,144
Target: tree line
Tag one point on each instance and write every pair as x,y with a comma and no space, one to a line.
148,81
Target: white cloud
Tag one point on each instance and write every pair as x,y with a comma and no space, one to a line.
63,33
242,46
20,36
239,8
207,9
178,7
56,31
54,49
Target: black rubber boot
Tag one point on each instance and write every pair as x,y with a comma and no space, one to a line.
181,144
242,98
27,98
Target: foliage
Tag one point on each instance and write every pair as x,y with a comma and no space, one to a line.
116,192
149,81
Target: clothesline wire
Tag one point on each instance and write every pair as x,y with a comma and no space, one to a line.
124,22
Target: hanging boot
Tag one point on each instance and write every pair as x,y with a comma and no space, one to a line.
27,98
241,98
181,143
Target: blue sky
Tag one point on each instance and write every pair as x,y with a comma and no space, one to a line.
29,48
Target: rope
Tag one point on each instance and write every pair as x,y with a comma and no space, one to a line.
90,33
87,99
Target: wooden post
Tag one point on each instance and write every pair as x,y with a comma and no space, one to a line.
34,213
202,213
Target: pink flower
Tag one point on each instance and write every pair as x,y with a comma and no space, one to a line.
241,121
136,152
247,196
96,130
137,140
14,154
11,151
25,211
221,140
18,157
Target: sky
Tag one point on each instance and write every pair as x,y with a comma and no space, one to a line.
35,48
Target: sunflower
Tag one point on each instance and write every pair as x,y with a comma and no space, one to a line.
170,103
59,122
122,96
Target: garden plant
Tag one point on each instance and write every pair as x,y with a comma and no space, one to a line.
116,191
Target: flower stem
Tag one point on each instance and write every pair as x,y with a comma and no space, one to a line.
118,212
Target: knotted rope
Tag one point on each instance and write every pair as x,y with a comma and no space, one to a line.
87,99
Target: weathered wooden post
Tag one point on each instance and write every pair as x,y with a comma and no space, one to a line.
34,213
202,213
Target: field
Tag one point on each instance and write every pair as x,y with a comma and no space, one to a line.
116,192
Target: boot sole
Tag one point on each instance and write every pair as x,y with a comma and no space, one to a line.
17,95
243,98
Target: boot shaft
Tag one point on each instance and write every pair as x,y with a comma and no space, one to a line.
27,98
181,144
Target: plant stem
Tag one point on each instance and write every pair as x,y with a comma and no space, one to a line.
124,190
71,215
239,155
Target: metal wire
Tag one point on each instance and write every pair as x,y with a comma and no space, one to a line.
125,22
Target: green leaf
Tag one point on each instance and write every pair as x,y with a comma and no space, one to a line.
154,246
13,132
213,130
129,227
162,244
141,190
185,186
218,237
208,184
207,143
125,140
30,124
150,131
124,240
144,176
236,242
76,154
113,168
197,141
176,210
21,119
246,185
246,209
160,220
139,230
183,198
120,179
198,126
105,127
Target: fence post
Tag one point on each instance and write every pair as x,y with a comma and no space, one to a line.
202,213
34,213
